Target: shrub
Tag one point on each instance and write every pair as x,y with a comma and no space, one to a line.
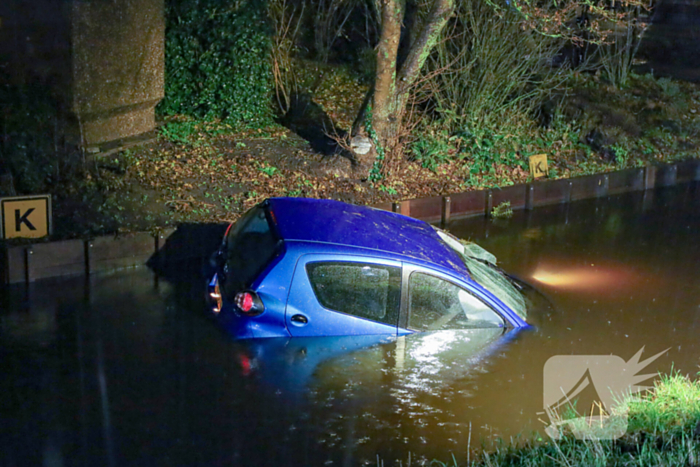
432,150
179,132
286,19
620,41
669,87
217,61
490,71
29,143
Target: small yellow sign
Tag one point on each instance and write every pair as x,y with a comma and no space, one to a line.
538,165
26,216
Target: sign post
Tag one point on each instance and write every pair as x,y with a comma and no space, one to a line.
26,216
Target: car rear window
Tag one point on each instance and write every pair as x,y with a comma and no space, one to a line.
250,246
365,290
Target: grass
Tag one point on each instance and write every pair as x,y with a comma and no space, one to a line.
663,430
673,407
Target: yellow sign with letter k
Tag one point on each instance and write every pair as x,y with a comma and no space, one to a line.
538,166
26,216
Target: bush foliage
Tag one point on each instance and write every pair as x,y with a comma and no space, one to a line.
28,119
217,62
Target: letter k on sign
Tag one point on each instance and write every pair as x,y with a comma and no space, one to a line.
538,165
27,216
22,219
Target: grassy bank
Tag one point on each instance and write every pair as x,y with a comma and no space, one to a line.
198,171
663,430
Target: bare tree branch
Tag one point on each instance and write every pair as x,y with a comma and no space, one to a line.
436,20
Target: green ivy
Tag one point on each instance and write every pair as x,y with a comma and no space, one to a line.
217,62
179,132
375,173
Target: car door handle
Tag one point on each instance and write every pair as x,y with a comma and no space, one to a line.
299,319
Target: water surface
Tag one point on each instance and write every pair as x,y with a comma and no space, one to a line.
127,369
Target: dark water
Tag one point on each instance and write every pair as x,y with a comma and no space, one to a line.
128,370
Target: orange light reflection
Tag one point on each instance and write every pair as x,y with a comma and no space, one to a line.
583,278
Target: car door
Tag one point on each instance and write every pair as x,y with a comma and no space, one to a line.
435,302
334,295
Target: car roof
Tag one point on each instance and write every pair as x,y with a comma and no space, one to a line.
335,222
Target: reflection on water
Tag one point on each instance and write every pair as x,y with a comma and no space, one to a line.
128,369
579,278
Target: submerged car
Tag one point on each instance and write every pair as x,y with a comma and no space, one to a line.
307,267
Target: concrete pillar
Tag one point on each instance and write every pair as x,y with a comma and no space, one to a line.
117,67
100,61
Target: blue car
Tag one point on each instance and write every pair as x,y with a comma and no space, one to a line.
293,267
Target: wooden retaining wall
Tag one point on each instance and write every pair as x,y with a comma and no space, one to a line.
443,209
27,263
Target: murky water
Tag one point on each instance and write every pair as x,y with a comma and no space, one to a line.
128,370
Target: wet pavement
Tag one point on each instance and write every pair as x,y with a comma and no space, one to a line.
127,369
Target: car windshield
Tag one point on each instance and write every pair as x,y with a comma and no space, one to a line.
482,267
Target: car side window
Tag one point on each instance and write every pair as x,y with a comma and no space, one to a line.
364,290
436,304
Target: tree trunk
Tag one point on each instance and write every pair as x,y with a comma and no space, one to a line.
381,117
